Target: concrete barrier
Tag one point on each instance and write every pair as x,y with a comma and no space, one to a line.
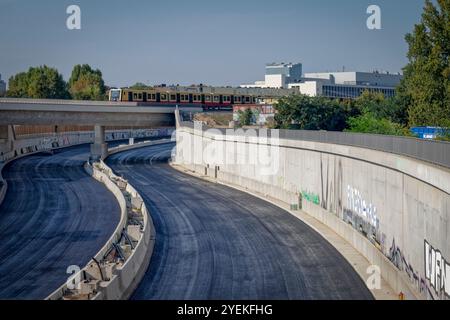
100,278
126,147
393,209
118,267
32,144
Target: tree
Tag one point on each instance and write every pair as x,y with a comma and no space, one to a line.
139,86
38,83
245,117
426,83
311,113
381,107
86,83
369,123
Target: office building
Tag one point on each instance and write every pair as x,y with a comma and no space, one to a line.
347,85
278,76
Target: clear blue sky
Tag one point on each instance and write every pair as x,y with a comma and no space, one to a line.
224,42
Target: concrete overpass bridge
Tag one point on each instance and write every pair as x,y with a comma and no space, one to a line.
71,112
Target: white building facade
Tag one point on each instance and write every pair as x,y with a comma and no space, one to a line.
347,85
278,76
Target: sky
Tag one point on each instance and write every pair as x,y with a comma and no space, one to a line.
225,42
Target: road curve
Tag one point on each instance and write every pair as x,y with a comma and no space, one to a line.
214,242
54,215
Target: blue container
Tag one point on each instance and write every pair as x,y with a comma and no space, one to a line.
428,132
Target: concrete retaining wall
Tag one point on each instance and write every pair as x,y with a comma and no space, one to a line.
394,210
28,145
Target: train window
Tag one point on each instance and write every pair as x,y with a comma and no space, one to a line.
153,96
226,99
237,99
163,96
216,98
135,95
207,98
140,96
173,97
247,99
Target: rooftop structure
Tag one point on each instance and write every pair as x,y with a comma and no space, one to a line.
278,75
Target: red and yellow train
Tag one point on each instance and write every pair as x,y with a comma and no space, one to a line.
209,101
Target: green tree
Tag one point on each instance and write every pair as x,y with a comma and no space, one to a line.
369,123
38,83
245,117
426,83
86,83
311,113
139,86
381,107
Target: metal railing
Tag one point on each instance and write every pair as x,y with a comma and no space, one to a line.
436,152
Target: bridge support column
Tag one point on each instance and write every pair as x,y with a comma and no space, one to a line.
99,149
7,137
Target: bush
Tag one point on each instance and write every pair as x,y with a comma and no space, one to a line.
368,123
245,117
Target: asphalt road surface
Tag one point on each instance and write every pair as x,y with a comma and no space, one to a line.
54,215
214,242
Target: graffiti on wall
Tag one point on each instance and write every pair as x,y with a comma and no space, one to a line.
331,184
311,197
396,256
361,214
437,270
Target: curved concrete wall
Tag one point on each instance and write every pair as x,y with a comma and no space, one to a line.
126,275
393,209
28,145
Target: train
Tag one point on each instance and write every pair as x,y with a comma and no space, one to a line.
208,100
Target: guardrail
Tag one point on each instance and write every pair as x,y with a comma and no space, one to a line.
435,152
118,267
